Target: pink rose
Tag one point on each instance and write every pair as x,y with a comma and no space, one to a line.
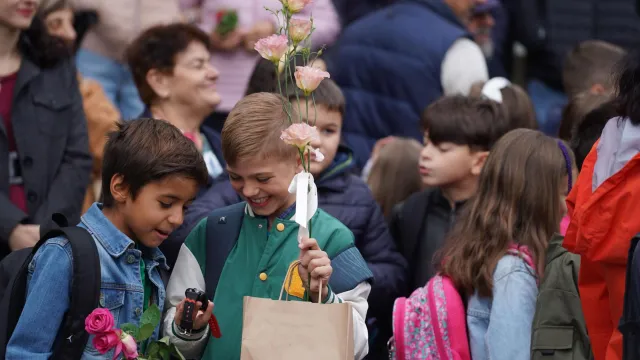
106,341
99,321
272,47
300,135
295,6
299,29
308,78
129,346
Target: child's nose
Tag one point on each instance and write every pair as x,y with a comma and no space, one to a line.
176,217
250,190
316,143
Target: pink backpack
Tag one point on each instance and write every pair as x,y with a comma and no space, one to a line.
432,323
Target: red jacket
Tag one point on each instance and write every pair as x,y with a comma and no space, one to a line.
602,225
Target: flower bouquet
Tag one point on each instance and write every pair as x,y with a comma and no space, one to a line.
126,341
291,44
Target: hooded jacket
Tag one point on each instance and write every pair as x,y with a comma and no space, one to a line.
604,207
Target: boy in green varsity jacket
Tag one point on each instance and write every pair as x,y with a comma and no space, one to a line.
254,260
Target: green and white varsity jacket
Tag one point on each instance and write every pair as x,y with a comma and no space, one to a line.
256,266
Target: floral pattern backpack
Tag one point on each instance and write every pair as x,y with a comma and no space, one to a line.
431,324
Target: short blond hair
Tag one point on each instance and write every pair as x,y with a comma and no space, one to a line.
253,128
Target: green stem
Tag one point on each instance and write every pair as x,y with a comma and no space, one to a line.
306,103
297,93
315,117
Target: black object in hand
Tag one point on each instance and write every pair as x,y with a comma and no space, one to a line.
191,297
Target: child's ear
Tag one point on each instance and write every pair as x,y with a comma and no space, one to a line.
159,83
477,162
119,189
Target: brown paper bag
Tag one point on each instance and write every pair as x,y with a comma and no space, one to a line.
294,330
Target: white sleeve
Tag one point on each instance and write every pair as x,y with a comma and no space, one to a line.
463,65
357,297
186,274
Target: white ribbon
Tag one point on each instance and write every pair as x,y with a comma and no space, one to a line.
306,192
492,88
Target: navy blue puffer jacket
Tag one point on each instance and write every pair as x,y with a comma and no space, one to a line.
388,64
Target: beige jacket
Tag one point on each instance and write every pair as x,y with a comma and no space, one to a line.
120,21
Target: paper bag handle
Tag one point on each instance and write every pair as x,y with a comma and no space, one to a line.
289,275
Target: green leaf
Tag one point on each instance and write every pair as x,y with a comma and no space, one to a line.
145,332
165,354
153,349
164,340
131,329
175,352
151,316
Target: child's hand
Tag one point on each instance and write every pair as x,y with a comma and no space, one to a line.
200,318
317,263
228,42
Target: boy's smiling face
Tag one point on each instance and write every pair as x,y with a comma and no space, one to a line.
329,124
157,210
264,183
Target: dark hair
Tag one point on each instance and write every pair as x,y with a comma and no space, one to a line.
461,120
513,204
327,94
263,78
41,48
628,89
146,150
577,108
517,105
588,131
157,48
589,63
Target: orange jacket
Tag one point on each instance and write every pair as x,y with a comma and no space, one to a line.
602,225
102,118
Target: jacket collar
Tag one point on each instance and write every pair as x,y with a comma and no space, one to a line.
114,241
336,175
439,7
441,200
28,70
555,249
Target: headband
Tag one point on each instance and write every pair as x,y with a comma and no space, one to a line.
567,161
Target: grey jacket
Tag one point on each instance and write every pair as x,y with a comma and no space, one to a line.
50,130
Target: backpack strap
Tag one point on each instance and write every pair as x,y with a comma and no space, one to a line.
223,229
85,291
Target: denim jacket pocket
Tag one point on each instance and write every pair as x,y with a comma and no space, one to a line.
113,300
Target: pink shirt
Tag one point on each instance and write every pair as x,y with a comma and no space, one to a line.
236,67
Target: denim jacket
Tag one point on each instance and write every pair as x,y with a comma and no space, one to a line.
49,279
500,327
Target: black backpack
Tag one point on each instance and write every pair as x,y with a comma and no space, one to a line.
85,289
